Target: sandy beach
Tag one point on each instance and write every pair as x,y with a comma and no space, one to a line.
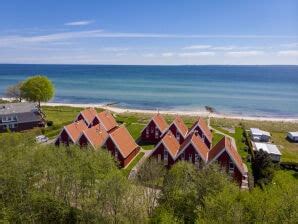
202,113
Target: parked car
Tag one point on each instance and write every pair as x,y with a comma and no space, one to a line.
41,139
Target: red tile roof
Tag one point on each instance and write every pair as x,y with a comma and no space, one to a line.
123,140
75,129
225,143
178,122
204,127
107,120
88,114
171,143
96,135
160,122
199,145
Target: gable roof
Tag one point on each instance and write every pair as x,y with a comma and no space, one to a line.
107,120
197,143
88,114
225,145
170,142
178,122
123,140
96,135
75,129
160,122
201,123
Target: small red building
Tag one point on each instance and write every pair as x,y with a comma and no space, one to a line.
106,119
201,127
166,150
87,115
194,150
95,137
154,130
229,159
179,129
122,146
71,133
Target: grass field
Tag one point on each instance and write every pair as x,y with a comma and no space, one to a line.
278,131
127,170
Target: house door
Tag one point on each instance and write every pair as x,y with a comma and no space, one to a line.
158,157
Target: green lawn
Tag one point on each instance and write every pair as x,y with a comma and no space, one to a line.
216,138
127,170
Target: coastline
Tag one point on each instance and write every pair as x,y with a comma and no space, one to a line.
202,113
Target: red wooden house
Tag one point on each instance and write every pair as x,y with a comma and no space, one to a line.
71,133
201,127
194,150
154,130
179,129
227,156
122,146
106,119
87,115
95,137
167,149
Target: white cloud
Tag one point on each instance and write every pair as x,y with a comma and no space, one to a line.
288,53
197,54
167,54
79,23
196,47
244,53
149,55
115,49
290,45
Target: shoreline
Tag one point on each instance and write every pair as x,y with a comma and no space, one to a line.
202,113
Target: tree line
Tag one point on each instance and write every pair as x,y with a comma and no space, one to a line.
45,184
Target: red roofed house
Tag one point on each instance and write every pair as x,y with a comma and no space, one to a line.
179,129
194,150
167,149
154,130
71,133
122,146
227,156
87,115
95,136
201,127
106,119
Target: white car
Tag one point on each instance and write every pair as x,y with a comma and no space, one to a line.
41,139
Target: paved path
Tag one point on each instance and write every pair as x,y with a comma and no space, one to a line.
224,134
134,170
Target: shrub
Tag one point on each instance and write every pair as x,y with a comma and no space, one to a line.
50,123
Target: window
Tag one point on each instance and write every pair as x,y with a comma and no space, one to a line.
183,156
190,158
231,167
178,136
147,132
197,159
165,157
203,137
156,133
152,130
158,157
116,154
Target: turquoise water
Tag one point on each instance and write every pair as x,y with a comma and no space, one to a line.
240,90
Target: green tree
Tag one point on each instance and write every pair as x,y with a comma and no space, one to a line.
263,168
38,89
14,91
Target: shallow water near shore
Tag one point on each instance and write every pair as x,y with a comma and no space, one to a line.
237,90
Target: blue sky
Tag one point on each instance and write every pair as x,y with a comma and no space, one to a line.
149,32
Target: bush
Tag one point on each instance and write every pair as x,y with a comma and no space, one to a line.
50,123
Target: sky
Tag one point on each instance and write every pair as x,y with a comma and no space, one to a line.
155,32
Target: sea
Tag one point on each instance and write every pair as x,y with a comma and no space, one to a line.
266,91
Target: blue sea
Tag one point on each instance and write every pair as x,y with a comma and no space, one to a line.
237,90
